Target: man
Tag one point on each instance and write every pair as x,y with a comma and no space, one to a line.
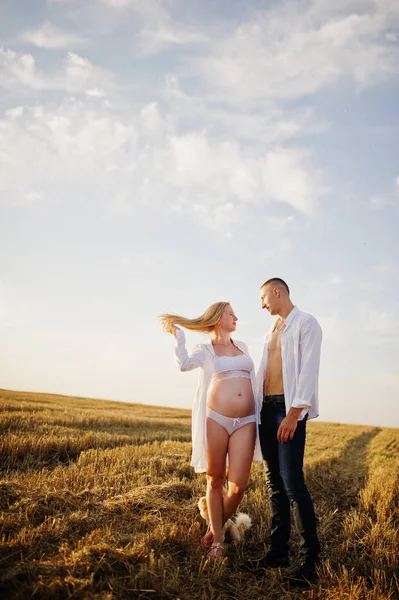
288,380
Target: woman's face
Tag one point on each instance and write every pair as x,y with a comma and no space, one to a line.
228,319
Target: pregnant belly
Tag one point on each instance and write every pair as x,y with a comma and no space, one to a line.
232,397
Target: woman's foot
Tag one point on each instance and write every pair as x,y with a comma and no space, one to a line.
207,540
216,552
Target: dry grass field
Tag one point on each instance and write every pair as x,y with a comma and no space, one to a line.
98,500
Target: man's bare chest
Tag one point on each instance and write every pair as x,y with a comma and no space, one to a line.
274,345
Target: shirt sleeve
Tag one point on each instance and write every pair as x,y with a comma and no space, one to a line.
187,362
310,346
261,370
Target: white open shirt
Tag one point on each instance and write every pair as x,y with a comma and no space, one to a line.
203,356
300,354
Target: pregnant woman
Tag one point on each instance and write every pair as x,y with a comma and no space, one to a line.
225,412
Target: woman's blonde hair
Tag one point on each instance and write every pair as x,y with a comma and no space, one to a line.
205,323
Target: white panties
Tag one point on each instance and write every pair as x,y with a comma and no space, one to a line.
230,424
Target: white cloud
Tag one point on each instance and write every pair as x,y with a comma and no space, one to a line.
117,3
150,9
153,39
17,68
266,125
51,36
78,72
212,151
95,93
18,71
81,75
219,171
15,113
286,179
155,24
296,49
141,160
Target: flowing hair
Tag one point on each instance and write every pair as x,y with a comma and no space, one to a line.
205,323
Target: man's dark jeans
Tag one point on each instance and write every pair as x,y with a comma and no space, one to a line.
286,484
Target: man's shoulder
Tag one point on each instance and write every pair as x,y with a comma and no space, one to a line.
306,318
305,315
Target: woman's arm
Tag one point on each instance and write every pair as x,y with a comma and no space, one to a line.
187,362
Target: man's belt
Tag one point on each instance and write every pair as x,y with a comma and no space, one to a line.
272,398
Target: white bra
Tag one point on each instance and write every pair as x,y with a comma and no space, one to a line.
228,367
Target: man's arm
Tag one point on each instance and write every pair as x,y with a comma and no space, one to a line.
288,425
310,346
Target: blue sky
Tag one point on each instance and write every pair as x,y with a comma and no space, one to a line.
163,155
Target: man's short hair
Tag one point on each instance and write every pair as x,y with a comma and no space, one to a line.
276,282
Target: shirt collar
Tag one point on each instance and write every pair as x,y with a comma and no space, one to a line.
288,320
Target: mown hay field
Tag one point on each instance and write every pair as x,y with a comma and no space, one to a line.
98,500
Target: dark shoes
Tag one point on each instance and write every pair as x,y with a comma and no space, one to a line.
274,561
269,561
303,576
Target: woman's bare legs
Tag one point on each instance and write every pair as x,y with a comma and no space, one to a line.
240,447
241,451
217,444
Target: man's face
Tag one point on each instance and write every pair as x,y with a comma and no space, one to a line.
270,299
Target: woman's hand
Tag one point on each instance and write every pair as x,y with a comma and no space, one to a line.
171,329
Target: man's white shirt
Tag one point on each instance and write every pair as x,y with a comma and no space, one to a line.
300,355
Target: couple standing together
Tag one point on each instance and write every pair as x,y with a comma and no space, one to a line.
239,417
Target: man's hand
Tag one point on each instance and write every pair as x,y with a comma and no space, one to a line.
288,425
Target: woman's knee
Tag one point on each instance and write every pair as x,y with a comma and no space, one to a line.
215,480
236,489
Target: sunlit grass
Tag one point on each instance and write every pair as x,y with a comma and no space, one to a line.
98,501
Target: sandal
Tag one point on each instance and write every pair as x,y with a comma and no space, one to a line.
216,552
206,541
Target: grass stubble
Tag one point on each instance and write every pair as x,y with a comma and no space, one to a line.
98,501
